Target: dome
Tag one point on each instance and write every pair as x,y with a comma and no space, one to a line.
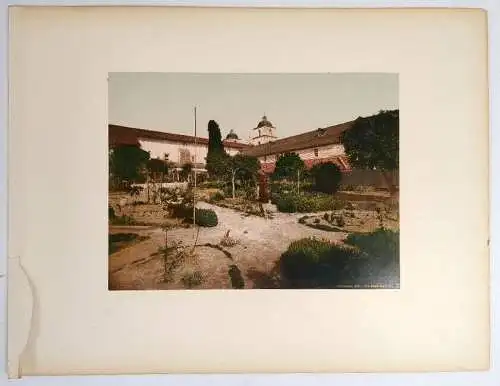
232,135
265,123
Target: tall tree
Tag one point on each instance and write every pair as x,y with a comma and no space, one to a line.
127,162
217,159
215,144
373,143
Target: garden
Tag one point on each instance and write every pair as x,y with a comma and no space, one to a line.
237,228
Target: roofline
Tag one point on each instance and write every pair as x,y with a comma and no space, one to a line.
139,132
269,145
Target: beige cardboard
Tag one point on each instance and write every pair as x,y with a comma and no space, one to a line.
437,321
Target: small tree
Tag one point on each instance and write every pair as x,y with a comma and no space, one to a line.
244,168
127,162
218,165
373,143
326,177
290,167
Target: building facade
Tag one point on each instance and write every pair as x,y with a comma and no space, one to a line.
181,149
313,147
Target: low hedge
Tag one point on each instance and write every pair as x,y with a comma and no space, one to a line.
306,203
381,246
206,218
365,258
314,263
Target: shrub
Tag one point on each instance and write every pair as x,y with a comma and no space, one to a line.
313,263
192,279
327,177
380,252
381,244
306,202
206,217
217,196
181,210
286,204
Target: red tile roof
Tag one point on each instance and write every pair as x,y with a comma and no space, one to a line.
315,138
122,135
341,161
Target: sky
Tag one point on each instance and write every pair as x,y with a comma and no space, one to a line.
294,103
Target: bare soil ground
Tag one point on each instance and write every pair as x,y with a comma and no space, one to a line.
356,220
252,250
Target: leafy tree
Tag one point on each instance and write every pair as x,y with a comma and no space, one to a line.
127,162
218,165
287,166
290,167
373,143
215,144
327,177
244,168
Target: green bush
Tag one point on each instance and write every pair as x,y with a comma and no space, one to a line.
382,244
314,263
327,177
306,203
111,213
366,258
217,196
206,217
181,210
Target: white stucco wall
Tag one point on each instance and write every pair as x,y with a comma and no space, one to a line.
173,149
198,153
307,154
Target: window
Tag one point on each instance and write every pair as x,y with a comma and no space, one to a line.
316,152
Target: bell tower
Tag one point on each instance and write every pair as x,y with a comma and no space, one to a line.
264,132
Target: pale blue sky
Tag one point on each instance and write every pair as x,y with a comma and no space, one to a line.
293,102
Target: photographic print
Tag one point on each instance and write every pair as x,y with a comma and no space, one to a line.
253,181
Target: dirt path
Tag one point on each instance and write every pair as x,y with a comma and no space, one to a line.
260,242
